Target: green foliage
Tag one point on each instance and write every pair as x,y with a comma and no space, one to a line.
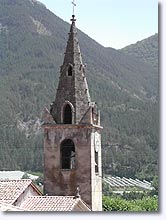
106,189
25,176
119,204
145,50
40,180
126,91
133,195
155,184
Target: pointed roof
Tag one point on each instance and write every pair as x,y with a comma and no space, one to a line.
72,86
72,53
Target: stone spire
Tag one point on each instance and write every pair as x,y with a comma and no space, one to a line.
72,89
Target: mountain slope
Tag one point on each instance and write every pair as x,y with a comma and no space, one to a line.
145,50
32,45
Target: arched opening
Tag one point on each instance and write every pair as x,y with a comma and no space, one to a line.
70,71
67,155
67,114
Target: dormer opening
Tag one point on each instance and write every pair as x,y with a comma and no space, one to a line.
67,114
70,71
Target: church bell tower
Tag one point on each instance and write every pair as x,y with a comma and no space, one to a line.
72,133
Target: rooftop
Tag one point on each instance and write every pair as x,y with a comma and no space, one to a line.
54,203
10,190
9,207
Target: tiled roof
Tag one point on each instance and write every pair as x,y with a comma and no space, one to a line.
50,203
9,207
10,190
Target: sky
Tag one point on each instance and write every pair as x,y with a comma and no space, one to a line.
112,23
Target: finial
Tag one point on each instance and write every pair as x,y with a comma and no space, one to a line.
73,18
77,195
74,5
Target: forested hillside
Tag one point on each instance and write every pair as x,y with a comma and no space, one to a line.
32,45
145,50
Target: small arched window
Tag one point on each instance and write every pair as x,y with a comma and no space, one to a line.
70,71
67,155
67,114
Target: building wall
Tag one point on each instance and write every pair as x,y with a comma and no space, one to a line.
96,185
64,182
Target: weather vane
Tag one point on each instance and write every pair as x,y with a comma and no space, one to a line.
74,4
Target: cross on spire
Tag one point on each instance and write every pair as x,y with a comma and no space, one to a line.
74,5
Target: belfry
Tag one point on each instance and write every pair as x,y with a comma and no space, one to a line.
72,133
